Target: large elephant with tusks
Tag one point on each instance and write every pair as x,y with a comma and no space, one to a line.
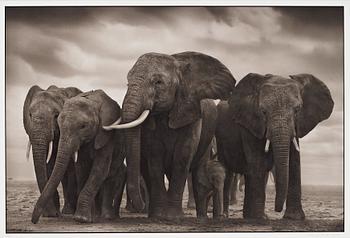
168,126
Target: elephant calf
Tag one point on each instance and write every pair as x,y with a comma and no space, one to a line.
211,184
98,155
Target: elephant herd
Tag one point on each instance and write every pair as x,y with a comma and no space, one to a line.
167,126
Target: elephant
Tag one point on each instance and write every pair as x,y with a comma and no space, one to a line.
211,174
260,126
169,122
40,111
98,155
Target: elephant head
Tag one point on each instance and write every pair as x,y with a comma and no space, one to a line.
80,123
280,110
171,84
40,111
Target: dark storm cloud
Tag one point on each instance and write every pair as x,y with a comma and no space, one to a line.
323,22
51,16
221,14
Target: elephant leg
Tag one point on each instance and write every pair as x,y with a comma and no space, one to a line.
158,193
190,202
94,182
69,185
53,207
227,188
254,200
218,203
176,189
233,199
294,209
200,196
120,184
108,192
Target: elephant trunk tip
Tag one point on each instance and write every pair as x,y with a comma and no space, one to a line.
36,214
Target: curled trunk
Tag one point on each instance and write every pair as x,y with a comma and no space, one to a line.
62,161
281,145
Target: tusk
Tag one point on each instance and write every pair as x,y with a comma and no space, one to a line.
117,122
49,152
135,123
267,145
28,150
296,144
75,156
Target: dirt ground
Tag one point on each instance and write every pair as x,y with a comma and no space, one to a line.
323,208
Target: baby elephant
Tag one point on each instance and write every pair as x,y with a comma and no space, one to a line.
98,156
211,183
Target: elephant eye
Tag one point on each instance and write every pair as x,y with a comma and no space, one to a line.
82,126
158,82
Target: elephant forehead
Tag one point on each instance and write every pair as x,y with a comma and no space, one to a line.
152,63
78,104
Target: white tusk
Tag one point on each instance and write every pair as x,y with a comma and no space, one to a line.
75,156
137,122
49,152
117,122
267,145
28,150
296,144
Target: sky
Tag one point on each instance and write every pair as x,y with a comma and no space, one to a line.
95,47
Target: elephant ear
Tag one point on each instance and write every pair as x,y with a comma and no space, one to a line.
200,76
109,112
244,103
317,103
26,120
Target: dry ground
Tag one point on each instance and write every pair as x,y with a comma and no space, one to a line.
323,207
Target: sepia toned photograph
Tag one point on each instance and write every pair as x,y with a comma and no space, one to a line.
169,119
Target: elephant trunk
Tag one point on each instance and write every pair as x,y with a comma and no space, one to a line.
40,146
64,153
281,147
132,108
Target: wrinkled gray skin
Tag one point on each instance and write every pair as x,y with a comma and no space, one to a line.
99,165
40,111
211,174
179,129
145,198
275,108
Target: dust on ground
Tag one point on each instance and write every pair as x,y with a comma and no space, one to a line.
323,206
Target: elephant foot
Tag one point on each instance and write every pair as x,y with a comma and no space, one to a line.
83,216
255,216
294,214
108,214
173,213
202,219
219,217
51,212
157,213
68,209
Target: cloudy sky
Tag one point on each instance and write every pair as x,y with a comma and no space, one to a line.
93,48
